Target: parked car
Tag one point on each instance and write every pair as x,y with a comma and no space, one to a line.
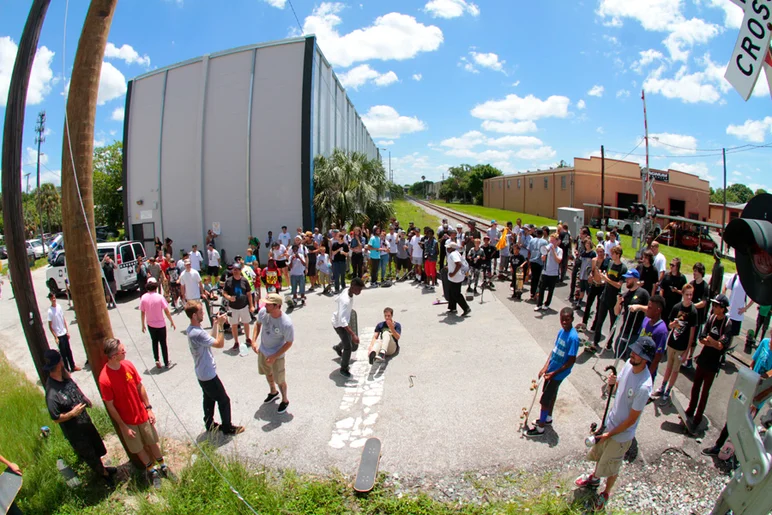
124,253
38,248
3,252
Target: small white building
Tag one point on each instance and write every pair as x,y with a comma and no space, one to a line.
227,141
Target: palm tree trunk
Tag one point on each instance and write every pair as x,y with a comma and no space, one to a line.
83,265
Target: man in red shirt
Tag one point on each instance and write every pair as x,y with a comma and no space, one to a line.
128,404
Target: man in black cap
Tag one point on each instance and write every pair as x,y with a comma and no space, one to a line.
633,390
67,406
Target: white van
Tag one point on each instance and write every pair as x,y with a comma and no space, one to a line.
124,253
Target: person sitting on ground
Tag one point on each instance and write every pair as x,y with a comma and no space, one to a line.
381,347
558,366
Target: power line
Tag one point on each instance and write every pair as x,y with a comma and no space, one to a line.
659,141
625,156
734,150
296,16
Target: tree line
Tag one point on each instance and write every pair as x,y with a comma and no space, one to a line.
735,194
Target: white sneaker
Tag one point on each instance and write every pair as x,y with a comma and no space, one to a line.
537,308
381,356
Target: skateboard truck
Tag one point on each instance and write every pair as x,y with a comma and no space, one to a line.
534,384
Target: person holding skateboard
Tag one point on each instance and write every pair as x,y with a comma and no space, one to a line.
613,284
634,388
556,369
349,340
382,346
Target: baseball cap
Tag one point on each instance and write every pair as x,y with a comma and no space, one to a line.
51,358
721,300
450,244
645,348
632,274
459,225
493,221
599,234
236,266
274,298
151,280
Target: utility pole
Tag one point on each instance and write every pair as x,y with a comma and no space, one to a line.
723,211
603,188
645,175
40,128
13,215
26,175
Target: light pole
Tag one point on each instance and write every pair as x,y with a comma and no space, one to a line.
40,128
391,175
423,182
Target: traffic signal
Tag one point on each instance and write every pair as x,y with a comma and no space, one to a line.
751,237
637,210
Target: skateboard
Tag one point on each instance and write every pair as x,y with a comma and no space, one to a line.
10,484
527,412
685,421
353,322
368,466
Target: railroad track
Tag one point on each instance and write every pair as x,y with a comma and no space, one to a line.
452,214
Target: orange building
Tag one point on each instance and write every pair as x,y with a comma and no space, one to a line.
717,212
542,192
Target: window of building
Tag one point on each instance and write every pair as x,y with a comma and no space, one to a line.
530,183
563,182
518,184
694,216
546,183
509,184
499,184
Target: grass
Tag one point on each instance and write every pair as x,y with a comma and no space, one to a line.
406,212
201,489
688,257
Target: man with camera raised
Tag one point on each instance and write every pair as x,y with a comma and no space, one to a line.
237,292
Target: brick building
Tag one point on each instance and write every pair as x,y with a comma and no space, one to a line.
542,192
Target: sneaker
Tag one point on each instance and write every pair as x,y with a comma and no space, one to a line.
451,312
157,364
214,427
154,478
538,308
338,350
665,398
236,346
234,430
381,356
711,451
271,397
166,472
587,481
601,501
371,357
283,406
345,373
689,364
466,312
535,432
548,422
659,393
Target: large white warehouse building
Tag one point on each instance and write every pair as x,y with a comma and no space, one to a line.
228,140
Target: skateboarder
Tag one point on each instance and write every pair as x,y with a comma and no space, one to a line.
275,340
634,387
556,369
457,268
382,346
349,340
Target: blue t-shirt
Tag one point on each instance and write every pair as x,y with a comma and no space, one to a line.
248,260
381,327
566,345
375,243
657,332
762,358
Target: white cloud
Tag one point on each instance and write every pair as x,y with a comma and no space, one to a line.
391,36
451,8
701,86
510,127
515,141
600,130
279,4
674,143
467,140
516,84
611,39
32,157
127,54
118,114
417,77
112,84
581,104
754,131
534,154
699,169
596,91
362,74
384,121
41,77
647,57
385,143
687,33
623,93
513,107
733,15
487,60
409,168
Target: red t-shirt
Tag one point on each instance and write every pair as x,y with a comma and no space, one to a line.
120,386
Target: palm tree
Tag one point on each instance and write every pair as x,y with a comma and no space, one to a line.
49,200
348,189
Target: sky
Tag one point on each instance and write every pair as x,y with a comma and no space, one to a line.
519,85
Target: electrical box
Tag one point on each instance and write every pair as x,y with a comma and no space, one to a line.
572,216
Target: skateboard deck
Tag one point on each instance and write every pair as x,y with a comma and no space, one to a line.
10,484
527,412
353,322
685,421
368,466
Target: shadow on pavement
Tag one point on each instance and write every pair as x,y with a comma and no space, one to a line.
338,379
158,371
268,413
216,438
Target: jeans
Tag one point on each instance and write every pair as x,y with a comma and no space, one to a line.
603,310
384,266
214,392
593,294
441,262
357,264
375,265
66,352
298,282
574,277
547,285
339,275
455,297
703,380
158,337
536,269
564,263
346,346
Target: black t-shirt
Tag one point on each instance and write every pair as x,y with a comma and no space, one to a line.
109,271
239,289
61,398
672,298
710,358
638,297
687,318
615,273
339,256
701,293
649,276
489,251
517,260
174,273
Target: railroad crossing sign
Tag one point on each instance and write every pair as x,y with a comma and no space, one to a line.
751,53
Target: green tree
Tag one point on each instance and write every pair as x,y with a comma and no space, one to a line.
718,196
51,206
741,191
476,178
760,191
108,178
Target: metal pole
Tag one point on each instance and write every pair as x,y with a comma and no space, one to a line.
391,175
723,211
40,127
603,188
644,192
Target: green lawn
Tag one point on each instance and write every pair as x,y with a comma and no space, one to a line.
688,257
405,212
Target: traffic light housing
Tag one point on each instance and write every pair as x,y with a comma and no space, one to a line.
751,237
637,210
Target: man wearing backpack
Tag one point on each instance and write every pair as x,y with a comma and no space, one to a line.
738,305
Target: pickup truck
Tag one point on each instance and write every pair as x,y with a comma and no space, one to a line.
626,226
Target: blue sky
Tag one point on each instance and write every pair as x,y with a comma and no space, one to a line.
520,85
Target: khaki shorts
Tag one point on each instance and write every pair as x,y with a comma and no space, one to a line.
240,316
276,370
608,454
673,361
144,435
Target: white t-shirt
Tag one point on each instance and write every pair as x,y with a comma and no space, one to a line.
195,260
391,239
342,315
56,317
213,256
660,262
284,238
415,248
318,238
191,281
610,245
453,258
737,297
278,254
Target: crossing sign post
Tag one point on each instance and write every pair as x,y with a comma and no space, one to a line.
751,53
